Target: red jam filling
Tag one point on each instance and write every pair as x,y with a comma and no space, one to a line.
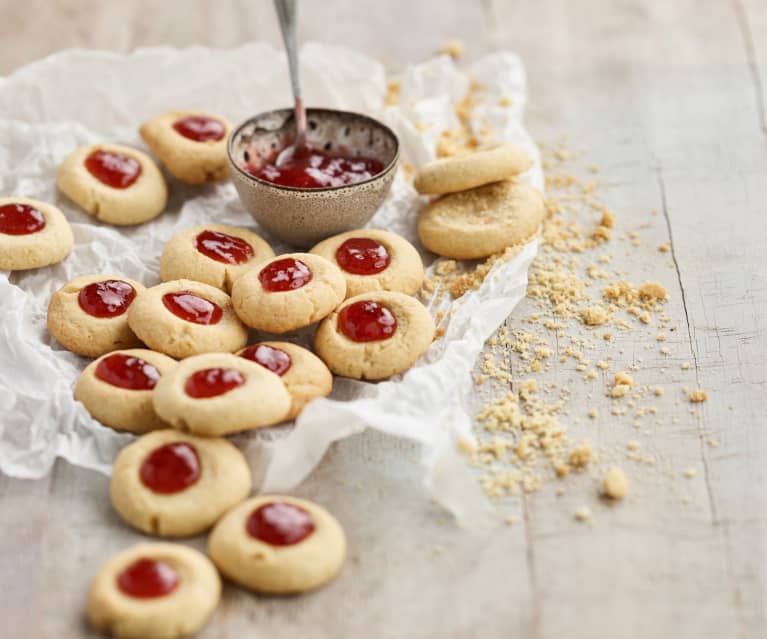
192,308
284,275
128,372
280,524
200,128
367,321
223,248
170,468
212,382
109,298
113,169
147,578
362,256
20,219
314,168
273,359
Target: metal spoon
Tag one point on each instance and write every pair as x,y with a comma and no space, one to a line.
286,12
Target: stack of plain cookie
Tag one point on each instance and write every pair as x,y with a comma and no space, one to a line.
482,209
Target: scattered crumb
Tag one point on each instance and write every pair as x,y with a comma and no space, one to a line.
593,413
652,290
658,390
689,473
615,484
581,455
583,513
623,378
685,366
698,395
466,446
632,444
595,315
510,520
454,48
664,248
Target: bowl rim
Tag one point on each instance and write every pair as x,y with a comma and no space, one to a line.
309,110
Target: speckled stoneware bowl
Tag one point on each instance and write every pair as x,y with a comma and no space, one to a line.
299,216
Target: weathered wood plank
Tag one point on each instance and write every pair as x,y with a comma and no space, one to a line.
665,95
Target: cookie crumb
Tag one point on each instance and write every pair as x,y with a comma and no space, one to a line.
652,290
581,455
685,366
658,390
698,395
583,514
510,520
466,446
664,248
593,413
454,48
689,473
615,484
594,315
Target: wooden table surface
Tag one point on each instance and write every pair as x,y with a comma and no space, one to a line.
670,99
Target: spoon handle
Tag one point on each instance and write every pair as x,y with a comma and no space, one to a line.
286,12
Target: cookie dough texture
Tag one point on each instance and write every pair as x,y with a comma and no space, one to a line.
295,568
404,272
49,245
306,379
261,401
461,172
283,311
188,160
142,201
180,613
83,333
224,481
122,408
477,223
163,331
180,258
379,359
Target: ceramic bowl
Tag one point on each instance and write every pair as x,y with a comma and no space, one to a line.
301,216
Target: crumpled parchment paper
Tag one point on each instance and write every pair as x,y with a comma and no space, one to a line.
79,97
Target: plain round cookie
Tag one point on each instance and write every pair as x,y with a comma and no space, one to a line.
462,172
280,312
306,379
140,202
122,408
83,333
188,160
224,480
477,223
181,259
262,400
180,613
404,272
49,245
377,359
267,568
163,331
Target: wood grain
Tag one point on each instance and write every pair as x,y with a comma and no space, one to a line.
669,98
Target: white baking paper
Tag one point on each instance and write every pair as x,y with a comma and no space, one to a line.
78,97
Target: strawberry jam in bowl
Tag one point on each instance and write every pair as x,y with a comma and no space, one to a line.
335,184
